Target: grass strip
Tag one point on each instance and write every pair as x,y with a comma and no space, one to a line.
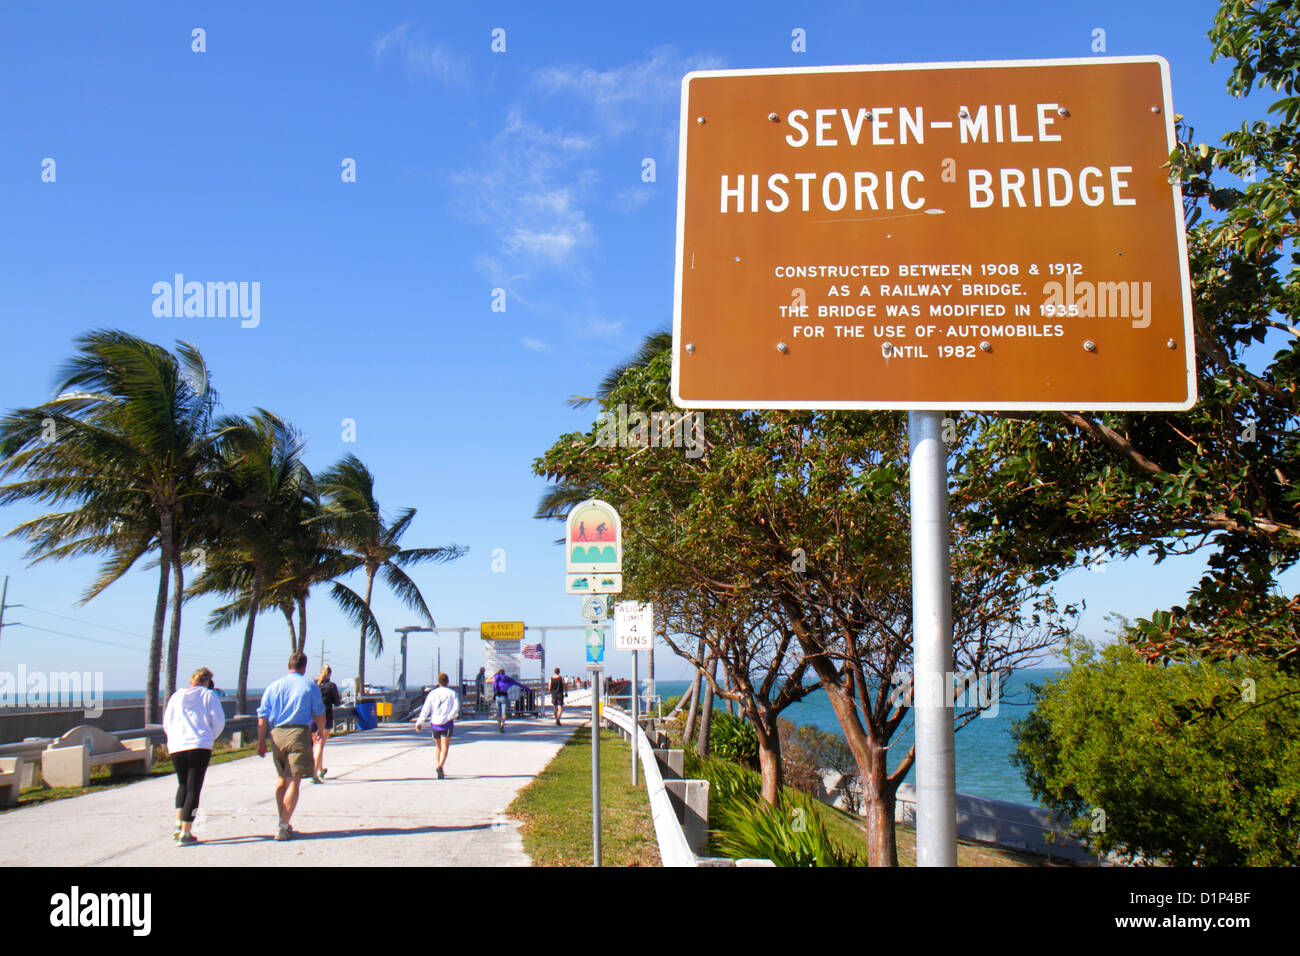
555,808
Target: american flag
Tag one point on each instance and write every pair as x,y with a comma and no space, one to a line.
533,652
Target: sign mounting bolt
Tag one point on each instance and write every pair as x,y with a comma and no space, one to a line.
1171,344
690,346
782,347
1062,111
986,347
700,120
774,117
1089,345
1155,109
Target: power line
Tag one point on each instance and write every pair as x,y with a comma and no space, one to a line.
223,655
188,644
75,620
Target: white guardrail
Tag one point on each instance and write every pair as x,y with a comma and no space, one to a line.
673,848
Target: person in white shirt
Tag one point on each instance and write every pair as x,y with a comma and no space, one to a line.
441,708
193,720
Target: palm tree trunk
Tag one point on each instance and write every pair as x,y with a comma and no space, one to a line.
254,599
302,624
174,639
361,664
287,610
152,710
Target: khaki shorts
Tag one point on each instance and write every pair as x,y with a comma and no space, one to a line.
292,750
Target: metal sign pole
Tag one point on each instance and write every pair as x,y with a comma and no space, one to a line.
936,800
635,725
595,763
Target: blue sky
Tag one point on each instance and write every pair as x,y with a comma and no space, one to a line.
475,170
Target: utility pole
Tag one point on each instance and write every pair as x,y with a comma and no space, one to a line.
4,595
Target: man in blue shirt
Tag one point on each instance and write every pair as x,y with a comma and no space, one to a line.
290,707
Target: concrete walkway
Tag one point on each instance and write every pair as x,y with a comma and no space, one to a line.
381,805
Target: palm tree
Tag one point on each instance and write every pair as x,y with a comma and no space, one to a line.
295,556
265,491
127,441
356,525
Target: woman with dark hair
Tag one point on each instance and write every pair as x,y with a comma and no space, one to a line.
329,694
192,721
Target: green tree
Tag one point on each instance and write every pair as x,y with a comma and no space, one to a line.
127,443
1190,764
352,519
806,514
1222,478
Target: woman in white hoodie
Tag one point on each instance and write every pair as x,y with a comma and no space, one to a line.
193,720
441,708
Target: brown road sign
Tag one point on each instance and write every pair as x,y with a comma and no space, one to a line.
932,236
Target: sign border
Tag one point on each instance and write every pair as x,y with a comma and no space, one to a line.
813,405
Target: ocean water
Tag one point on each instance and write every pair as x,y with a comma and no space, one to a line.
983,747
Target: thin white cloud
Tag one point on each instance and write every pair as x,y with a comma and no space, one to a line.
533,345
644,96
529,191
534,184
597,327
419,57
630,200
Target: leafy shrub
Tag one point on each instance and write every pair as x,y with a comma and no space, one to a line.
745,827
1188,764
733,738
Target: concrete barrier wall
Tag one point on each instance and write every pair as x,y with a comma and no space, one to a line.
1012,825
17,724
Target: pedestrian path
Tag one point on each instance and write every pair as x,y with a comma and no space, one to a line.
381,805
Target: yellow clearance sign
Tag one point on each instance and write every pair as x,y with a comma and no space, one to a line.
996,235
501,630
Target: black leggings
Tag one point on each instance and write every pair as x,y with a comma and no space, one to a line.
190,766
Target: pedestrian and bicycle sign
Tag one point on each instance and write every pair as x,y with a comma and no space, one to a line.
593,543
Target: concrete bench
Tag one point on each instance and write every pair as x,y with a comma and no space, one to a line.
67,762
9,781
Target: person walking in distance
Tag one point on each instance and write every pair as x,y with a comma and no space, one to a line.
192,721
290,708
441,708
557,695
331,698
480,682
501,684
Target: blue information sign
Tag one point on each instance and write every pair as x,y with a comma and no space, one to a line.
595,645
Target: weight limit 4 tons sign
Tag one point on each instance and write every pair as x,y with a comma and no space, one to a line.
932,236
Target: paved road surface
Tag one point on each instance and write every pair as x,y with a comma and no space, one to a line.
380,806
